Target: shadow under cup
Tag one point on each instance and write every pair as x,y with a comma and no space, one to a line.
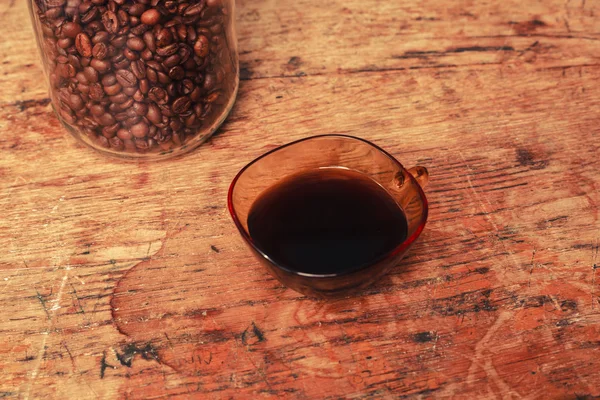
405,186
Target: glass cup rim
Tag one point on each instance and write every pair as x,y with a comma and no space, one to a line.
398,249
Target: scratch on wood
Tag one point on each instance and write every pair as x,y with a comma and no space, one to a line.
43,303
532,267
484,361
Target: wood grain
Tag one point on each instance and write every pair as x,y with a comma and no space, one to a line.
121,280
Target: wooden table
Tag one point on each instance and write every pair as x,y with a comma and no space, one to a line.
121,280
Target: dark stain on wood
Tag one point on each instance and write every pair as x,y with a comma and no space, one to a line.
252,335
527,158
147,351
527,27
424,337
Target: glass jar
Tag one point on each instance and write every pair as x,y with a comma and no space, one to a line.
139,78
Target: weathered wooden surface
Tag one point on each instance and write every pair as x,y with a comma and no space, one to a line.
129,281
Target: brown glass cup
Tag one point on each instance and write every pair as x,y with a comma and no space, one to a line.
405,186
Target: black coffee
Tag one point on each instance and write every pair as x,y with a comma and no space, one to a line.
326,221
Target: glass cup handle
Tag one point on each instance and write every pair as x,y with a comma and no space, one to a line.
420,174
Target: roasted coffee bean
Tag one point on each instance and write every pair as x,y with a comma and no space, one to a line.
124,134
177,73
163,78
112,90
172,61
139,130
158,95
111,130
167,50
110,21
116,143
209,82
109,80
126,78
137,9
136,44
154,114
70,29
131,55
102,66
163,38
101,37
119,98
202,46
144,86
100,51
150,17
138,68
96,91
140,108
91,74
149,40
181,105
130,91
83,44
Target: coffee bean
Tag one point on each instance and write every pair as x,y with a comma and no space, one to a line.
139,130
144,86
83,44
106,119
111,130
70,29
138,96
119,41
202,47
140,108
167,50
177,73
130,54
154,114
163,38
97,110
110,22
138,68
116,143
150,17
96,91
112,90
163,78
102,142
124,134
209,82
172,61
158,95
91,74
100,51
109,80
126,78
130,91
137,9
149,41
136,44
102,66
101,37
65,43
119,98
181,105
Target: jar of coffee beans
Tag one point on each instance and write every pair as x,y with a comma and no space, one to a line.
139,78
